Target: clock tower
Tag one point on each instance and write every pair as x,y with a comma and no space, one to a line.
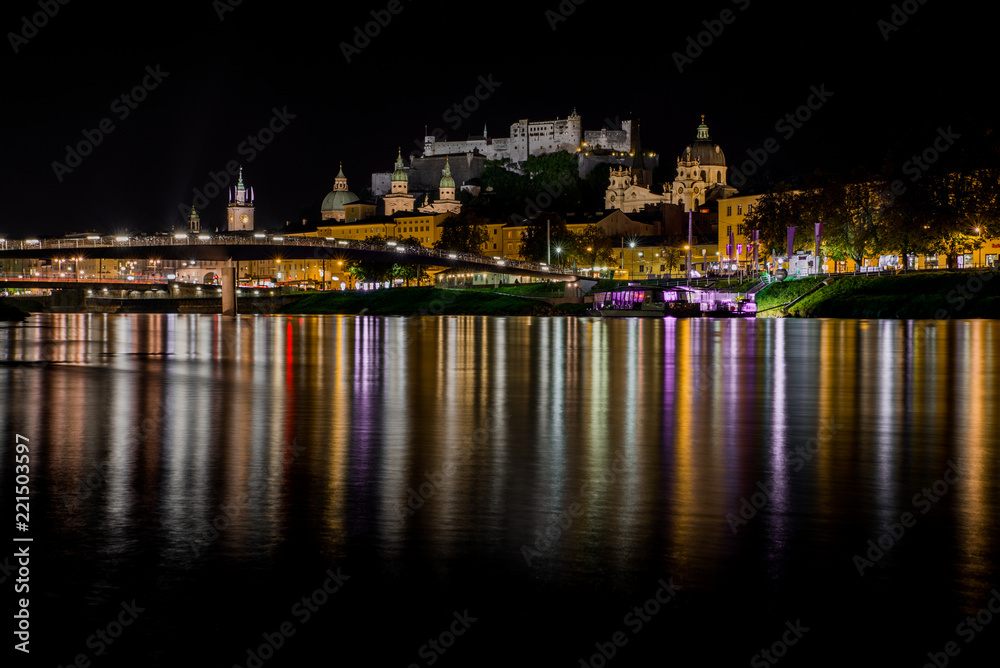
240,210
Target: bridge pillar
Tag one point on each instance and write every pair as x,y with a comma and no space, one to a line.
229,289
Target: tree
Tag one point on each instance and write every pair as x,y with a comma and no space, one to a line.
464,233
370,271
851,211
594,247
671,257
771,216
535,246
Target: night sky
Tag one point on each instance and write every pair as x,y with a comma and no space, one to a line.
220,80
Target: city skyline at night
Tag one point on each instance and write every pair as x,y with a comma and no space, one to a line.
162,108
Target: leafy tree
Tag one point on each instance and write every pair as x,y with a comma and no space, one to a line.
671,257
535,246
772,215
370,271
594,247
465,233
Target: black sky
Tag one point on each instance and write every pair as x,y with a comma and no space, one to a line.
606,59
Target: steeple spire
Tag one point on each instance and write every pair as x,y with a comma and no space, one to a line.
702,129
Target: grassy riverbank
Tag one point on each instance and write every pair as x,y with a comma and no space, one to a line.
427,301
927,294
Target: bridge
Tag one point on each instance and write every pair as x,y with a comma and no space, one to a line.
238,248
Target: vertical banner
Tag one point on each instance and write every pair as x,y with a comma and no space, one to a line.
756,244
690,226
791,243
817,258
730,247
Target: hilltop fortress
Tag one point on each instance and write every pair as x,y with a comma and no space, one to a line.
612,144
535,138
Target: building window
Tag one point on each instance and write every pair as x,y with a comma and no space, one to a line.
749,209
729,210
642,253
739,209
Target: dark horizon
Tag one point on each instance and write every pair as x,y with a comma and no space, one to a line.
210,81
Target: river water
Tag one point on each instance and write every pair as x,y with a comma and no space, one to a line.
467,491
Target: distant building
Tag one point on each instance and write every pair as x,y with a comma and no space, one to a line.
701,178
399,197
446,202
240,209
335,201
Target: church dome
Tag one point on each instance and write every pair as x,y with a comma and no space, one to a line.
340,195
704,150
336,199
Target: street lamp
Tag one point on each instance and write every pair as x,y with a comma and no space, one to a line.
979,262
631,245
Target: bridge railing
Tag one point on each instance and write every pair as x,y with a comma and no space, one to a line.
71,245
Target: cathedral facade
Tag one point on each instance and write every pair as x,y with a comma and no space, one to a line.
701,177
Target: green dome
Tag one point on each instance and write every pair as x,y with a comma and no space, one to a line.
446,180
399,174
336,200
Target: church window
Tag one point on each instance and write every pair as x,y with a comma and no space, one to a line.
703,175
718,177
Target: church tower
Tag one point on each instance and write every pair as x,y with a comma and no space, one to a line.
240,209
701,173
399,197
194,221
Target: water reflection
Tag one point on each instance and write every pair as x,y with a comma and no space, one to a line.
571,449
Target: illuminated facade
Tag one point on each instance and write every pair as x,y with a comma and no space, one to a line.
239,213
